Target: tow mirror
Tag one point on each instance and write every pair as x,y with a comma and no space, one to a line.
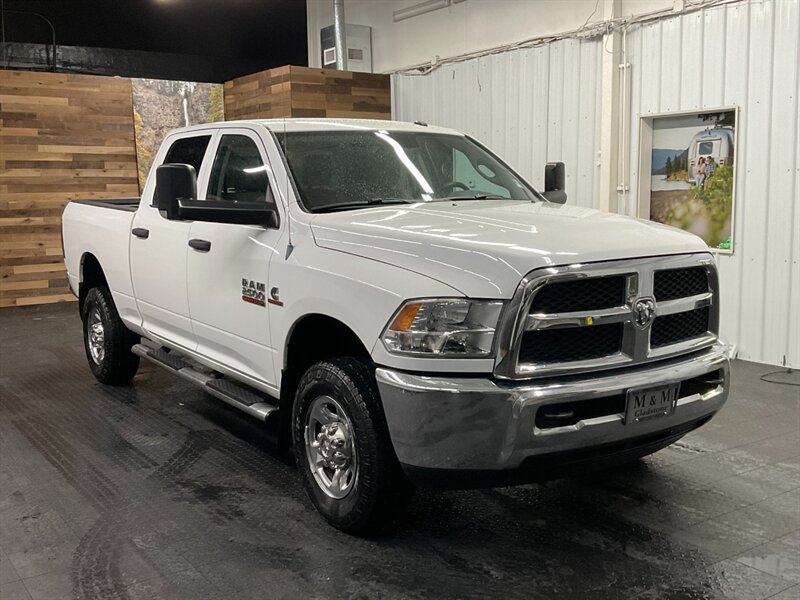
174,182
176,196
555,182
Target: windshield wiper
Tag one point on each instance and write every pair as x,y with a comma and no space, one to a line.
473,197
370,202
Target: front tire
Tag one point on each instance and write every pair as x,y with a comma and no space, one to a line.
107,341
343,450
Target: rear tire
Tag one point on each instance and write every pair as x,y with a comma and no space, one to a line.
107,341
349,469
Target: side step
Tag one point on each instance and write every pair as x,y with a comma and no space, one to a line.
250,401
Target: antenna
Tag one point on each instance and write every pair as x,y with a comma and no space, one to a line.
290,245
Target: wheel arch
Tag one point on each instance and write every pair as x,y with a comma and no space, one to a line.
91,276
312,338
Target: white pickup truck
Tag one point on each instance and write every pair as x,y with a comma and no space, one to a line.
401,306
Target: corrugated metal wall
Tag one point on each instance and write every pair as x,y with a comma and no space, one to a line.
743,54
543,104
530,106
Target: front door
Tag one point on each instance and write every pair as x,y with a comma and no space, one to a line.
228,264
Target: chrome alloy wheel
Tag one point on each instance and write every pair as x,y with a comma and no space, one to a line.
330,447
96,337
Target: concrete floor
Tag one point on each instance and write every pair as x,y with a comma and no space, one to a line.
160,491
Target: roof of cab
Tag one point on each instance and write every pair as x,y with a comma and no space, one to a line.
327,124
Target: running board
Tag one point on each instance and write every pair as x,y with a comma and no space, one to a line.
247,400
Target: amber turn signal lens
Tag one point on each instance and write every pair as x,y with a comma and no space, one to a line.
404,319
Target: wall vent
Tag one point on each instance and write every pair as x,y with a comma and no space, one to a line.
359,48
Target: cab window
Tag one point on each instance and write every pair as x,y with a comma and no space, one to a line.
239,173
188,150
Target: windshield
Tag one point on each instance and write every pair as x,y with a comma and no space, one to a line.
336,170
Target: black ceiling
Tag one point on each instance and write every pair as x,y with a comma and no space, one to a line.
269,33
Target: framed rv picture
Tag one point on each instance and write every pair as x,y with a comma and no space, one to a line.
687,168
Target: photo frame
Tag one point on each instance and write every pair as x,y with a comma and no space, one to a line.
687,172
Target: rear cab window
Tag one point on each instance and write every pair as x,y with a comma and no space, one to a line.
188,150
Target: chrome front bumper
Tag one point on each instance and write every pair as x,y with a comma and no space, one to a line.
479,424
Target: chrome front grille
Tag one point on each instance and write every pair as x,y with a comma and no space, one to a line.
603,315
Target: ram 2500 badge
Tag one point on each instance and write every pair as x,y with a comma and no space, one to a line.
401,306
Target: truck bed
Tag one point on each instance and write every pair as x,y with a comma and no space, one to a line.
102,229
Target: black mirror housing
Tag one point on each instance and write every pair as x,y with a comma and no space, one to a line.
241,213
555,182
174,182
176,196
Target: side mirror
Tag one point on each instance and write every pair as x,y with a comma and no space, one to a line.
555,182
174,182
241,213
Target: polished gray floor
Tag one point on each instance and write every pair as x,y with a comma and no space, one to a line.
160,491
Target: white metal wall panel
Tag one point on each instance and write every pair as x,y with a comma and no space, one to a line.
782,209
530,106
742,54
542,104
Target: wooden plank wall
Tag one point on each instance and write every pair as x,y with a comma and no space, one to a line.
264,95
307,92
62,137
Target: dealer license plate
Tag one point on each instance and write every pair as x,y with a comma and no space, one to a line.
651,403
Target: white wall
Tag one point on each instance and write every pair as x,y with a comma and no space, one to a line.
459,28
530,106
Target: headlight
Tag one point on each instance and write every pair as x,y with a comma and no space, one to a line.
443,327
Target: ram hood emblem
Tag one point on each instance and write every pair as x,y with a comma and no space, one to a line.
643,311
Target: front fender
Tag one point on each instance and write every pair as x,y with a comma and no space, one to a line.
360,292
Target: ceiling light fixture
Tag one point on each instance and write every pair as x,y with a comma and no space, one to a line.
419,9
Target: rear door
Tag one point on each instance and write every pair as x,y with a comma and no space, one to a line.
159,249
228,283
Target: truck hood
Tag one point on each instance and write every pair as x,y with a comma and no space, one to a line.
483,248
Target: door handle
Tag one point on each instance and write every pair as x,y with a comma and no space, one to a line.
141,232
201,245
